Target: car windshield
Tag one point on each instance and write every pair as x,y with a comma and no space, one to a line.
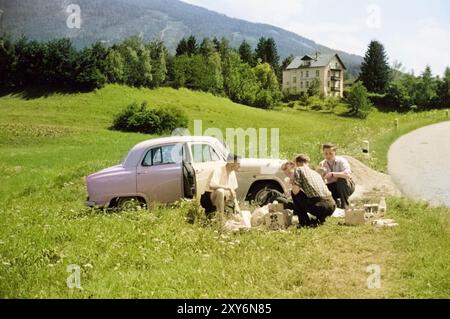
222,148
124,158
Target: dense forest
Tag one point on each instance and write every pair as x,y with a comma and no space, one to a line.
210,66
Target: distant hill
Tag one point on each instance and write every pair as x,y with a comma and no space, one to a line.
169,20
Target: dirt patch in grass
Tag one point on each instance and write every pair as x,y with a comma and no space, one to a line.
18,130
370,183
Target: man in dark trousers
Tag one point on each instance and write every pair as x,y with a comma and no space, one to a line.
309,193
338,175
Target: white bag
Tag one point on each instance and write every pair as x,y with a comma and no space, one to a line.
246,218
258,214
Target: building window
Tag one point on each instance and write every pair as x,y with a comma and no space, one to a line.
301,84
307,75
295,89
328,83
307,84
318,73
294,79
301,74
329,73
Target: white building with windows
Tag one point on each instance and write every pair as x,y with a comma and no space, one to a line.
327,69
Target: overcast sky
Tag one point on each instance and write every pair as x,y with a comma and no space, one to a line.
414,32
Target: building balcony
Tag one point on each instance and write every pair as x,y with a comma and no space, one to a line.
335,78
335,89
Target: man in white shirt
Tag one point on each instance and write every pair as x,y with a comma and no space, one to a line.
338,175
223,184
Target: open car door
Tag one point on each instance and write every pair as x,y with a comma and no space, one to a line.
189,180
204,161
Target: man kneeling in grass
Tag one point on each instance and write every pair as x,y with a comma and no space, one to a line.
338,175
309,192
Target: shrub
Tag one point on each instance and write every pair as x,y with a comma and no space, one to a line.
142,119
358,100
331,102
291,104
303,98
377,99
397,97
314,88
315,103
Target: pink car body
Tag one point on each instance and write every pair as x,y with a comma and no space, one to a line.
155,171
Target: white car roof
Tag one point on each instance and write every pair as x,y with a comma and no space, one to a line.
135,153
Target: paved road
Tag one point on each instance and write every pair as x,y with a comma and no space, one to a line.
419,163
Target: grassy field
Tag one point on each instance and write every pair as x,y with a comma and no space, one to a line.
48,143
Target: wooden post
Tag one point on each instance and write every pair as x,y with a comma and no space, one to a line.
396,123
365,147
447,113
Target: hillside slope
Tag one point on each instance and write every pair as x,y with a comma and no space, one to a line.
169,20
300,131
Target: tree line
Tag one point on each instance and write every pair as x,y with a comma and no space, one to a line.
392,88
244,75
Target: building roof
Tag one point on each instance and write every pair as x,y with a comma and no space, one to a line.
321,60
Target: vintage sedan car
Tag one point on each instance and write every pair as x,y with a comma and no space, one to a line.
167,169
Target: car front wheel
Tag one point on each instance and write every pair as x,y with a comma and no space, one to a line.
263,193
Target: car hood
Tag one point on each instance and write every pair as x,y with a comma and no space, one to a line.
261,166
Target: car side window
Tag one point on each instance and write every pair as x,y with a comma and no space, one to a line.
203,153
162,155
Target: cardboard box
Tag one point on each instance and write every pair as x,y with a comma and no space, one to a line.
355,217
278,220
273,208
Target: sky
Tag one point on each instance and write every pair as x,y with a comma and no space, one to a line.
414,32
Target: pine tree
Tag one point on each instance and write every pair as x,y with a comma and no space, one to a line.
7,61
245,51
425,91
182,47
444,90
192,46
266,52
207,47
288,60
375,70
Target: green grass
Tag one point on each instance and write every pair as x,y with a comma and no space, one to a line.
49,143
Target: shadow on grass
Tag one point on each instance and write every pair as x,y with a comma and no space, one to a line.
30,93
349,115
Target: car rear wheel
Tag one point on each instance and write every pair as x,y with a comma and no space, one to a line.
130,203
